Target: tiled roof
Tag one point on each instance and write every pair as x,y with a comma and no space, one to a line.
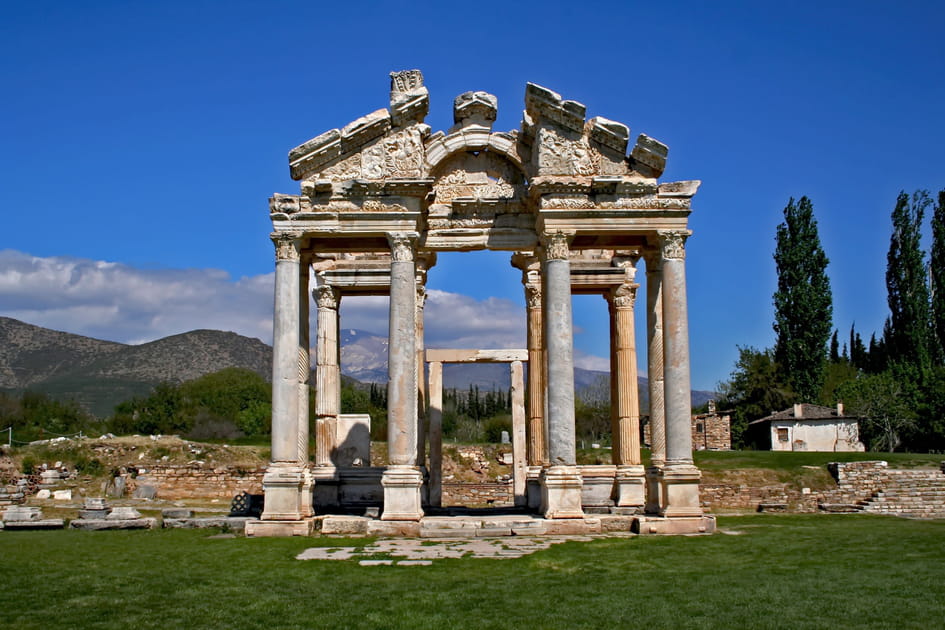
808,412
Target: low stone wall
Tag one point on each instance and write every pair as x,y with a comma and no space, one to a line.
498,494
194,482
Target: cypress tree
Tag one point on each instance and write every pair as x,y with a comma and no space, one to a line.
937,277
907,331
803,303
834,348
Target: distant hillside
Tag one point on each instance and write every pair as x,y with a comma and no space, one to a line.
364,357
100,374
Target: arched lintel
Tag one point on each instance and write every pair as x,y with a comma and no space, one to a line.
441,147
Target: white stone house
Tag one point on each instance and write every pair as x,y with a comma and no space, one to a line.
806,427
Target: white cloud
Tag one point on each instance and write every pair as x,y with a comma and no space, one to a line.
122,303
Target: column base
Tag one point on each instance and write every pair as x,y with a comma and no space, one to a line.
680,486
282,486
306,494
561,492
533,487
654,490
402,500
630,487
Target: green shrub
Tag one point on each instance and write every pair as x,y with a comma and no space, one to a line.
495,426
28,465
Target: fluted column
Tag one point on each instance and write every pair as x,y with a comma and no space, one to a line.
680,477
402,478
630,487
654,323
537,451
327,374
561,483
283,478
305,375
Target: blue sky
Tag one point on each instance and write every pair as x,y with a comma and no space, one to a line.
139,143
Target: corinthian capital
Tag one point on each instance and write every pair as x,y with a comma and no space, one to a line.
556,246
288,246
402,246
673,244
326,296
624,295
533,295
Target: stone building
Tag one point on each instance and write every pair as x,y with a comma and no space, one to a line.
712,431
806,427
576,213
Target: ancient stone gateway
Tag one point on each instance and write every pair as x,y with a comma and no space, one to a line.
380,196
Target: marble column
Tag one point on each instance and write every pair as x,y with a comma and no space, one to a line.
305,376
402,478
421,380
561,482
435,418
630,491
654,323
680,479
283,479
537,452
327,374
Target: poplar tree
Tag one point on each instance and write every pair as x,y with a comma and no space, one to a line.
907,330
803,303
937,277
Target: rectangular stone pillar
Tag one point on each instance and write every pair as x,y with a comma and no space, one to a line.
519,464
421,380
654,322
561,482
402,478
435,417
283,479
680,480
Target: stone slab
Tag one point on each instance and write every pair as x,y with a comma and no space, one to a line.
677,526
261,529
617,523
177,513
224,522
572,526
46,523
345,525
394,528
104,523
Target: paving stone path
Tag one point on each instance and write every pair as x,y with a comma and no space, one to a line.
416,551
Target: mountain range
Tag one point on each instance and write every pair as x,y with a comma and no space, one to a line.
99,374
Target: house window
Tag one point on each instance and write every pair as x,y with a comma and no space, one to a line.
782,435
699,428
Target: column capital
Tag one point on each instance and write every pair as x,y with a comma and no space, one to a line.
326,296
623,295
533,295
673,244
403,246
556,246
628,263
288,246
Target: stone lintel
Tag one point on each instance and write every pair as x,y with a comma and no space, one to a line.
476,356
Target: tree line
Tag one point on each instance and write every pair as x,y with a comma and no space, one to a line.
895,383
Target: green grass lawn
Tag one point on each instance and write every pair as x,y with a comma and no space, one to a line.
780,571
